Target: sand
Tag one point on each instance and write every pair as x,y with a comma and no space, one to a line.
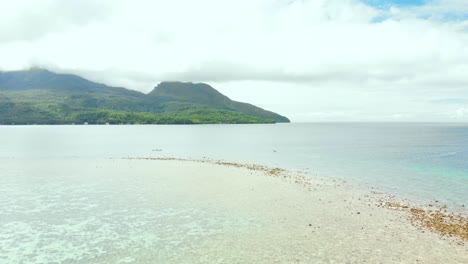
179,211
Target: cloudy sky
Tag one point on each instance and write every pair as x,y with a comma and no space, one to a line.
312,60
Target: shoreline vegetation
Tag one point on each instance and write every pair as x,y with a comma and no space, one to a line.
435,217
105,117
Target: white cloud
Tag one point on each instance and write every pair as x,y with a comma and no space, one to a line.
28,20
295,57
461,113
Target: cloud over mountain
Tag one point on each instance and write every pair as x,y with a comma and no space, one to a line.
356,54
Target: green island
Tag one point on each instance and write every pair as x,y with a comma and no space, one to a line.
39,96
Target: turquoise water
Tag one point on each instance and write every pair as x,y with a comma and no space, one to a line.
67,196
418,160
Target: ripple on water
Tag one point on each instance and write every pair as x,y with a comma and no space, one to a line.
60,223
166,230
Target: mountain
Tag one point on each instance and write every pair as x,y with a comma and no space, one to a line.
201,93
39,96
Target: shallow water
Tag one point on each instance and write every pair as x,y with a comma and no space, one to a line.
66,195
84,211
421,161
140,211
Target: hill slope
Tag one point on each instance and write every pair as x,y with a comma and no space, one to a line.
200,93
39,96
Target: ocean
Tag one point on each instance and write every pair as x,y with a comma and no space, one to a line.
422,161
69,195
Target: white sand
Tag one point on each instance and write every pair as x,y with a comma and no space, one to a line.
140,211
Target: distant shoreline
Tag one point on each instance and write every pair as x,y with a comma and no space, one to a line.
142,124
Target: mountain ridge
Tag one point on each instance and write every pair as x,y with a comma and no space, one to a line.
40,96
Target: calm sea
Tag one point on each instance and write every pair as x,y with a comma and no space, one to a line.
416,160
63,200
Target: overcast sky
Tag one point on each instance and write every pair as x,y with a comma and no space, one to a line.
311,60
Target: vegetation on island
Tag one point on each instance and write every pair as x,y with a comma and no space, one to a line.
39,96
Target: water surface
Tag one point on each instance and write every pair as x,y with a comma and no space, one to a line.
416,160
67,196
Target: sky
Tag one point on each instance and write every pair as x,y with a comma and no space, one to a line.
311,60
